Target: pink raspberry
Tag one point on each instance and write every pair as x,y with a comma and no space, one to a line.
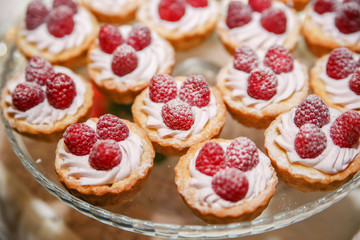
139,36
340,63
27,95
347,18
238,14
124,60
79,138
310,141
345,131
38,70
69,3
324,6
312,110
60,21
162,88
36,14
279,59
109,38
242,153
245,59
195,91
60,90
177,115
274,20
111,127
230,184
262,84
354,83
259,5
105,155
171,10
198,3
210,159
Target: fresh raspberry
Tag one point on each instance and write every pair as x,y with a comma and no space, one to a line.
69,3
38,70
273,20
105,155
259,5
111,127
262,84
177,115
354,83
36,14
60,90
345,131
324,6
242,153
245,59
310,141
139,36
347,18
171,10
238,14
340,63
230,184
312,110
109,38
279,59
124,60
60,21
198,3
195,91
162,88
79,138
27,95
210,159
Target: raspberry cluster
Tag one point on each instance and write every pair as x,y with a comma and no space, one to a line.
174,10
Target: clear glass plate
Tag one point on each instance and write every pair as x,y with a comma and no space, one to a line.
158,209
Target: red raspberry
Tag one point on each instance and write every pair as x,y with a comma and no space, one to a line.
38,70
262,84
245,59
195,91
105,155
27,95
279,59
274,20
210,159
347,18
259,5
345,131
340,63
198,3
111,127
324,6
60,21
171,10
79,138
354,83
60,90
162,88
310,141
139,36
177,115
109,38
312,110
230,184
124,60
238,14
242,153
69,3
36,14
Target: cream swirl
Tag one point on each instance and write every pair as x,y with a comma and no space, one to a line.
108,6
157,57
44,113
43,40
332,160
258,179
80,169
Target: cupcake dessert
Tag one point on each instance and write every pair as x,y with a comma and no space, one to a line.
105,160
257,88
225,181
123,59
178,112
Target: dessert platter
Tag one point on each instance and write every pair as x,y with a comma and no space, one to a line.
169,135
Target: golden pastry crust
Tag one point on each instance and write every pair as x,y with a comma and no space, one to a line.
250,116
298,5
249,209
290,172
107,194
172,146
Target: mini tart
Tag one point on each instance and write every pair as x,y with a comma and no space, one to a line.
247,210
107,194
180,40
170,145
